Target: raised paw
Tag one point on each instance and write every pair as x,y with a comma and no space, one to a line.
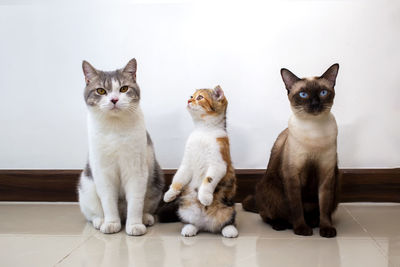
148,219
303,230
230,231
205,198
170,195
189,230
97,222
327,231
135,229
110,227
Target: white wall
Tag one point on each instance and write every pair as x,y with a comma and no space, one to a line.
179,47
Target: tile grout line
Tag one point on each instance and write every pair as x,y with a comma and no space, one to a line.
370,235
74,249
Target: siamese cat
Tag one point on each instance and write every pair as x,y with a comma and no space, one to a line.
300,187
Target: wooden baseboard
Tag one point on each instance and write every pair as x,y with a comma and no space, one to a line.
357,185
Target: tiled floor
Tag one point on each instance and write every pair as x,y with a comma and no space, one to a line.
57,235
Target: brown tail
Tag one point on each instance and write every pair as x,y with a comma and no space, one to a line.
168,212
249,204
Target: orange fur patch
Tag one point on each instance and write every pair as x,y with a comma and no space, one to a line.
224,149
207,180
176,186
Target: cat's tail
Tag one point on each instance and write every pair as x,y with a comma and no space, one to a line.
168,212
249,204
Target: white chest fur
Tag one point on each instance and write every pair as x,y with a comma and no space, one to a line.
116,142
202,150
313,136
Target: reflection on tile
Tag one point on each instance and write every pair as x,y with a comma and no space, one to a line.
40,251
52,219
57,235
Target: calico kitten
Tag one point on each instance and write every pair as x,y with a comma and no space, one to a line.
122,177
206,179
299,189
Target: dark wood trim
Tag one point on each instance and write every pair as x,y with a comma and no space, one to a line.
357,185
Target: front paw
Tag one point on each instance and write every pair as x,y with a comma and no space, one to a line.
170,195
327,231
303,230
110,227
135,229
205,198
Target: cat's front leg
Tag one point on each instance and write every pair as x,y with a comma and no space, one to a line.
135,190
327,200
214,174
107,185
293,193
181,179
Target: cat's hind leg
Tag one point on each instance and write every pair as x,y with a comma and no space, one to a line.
230,231
189,230
89,201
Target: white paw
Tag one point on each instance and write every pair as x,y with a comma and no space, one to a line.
97,222
205,198
148,219
170,195
189,230
230,231
135,229
110,227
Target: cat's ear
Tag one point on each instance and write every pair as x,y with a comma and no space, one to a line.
288,78
218,93
331,74
131,68
89,71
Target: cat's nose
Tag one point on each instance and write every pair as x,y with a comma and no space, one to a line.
114,100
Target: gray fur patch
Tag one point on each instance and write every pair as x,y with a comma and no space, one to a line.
88,171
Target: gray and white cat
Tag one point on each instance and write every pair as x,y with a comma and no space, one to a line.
122,177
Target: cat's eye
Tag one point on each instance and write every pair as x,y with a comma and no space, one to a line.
200,97
323,93
303,95
101,91
124,89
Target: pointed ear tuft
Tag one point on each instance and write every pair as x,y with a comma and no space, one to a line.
331,74
288,78
218,93
131,68
89,71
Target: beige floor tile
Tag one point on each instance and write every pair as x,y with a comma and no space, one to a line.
382,222
318,252
43,219
43,251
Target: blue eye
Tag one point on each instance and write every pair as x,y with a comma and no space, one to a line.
303,95
323,93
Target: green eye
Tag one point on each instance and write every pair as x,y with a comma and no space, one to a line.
123,89
101,91
200,97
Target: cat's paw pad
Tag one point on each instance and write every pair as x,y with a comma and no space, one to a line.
97,222
205,198
110,227
303,230
170,195
328,231
230,231
189,230
148,219
135,229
